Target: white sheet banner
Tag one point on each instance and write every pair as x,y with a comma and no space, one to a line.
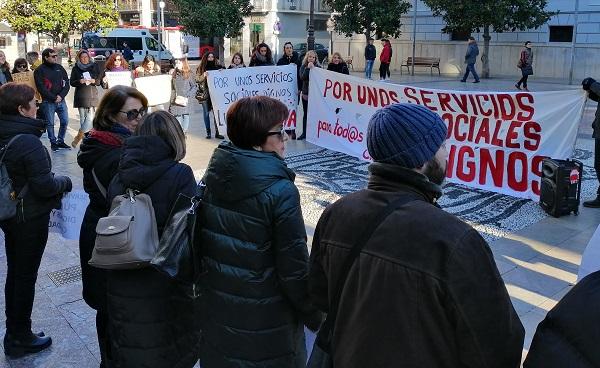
156,88
228,86
67,220
496,140
119,79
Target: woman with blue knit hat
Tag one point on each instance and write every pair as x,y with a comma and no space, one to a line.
423,290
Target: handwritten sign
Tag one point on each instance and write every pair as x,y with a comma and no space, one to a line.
27,78
67,220
118,79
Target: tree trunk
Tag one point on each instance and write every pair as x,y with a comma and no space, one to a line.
485,73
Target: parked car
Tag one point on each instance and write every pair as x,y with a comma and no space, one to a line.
321,50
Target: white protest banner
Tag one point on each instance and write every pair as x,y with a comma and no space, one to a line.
118,79
156,88
279,82
590,260
496,140
67,220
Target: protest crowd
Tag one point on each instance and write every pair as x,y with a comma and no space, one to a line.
219,271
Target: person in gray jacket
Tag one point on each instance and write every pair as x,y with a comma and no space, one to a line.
471,59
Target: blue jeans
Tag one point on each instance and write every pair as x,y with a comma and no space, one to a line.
86,118
206,114
48,111
184,121
369,68
470,68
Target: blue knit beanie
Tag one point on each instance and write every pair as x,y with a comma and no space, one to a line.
405,134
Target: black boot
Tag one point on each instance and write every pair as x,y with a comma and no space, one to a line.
17,346
595,203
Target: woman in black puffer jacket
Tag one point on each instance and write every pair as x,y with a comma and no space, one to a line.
151,318
119,113
25,235
255,299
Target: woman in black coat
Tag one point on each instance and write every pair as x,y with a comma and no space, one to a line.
262,56
337,64
119,113
151,318
25,235
85,77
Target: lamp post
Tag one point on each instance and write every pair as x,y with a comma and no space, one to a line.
573,41
159,26
310,41
414,40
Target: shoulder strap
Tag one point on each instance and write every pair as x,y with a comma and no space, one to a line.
101,187
327,328
5,148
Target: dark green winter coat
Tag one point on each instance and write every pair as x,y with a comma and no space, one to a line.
255,293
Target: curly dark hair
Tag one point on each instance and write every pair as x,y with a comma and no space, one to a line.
269,54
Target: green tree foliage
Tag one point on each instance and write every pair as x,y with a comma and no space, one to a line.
369,17
218,18
496,15
57,18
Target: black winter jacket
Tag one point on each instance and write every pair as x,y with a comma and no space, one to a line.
370,52
294,59
28,162
255,294
305,77
99,151
85,95
152,322
51,80
569,335
339,68
595,88
425,291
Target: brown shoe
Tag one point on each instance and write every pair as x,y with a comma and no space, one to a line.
77,139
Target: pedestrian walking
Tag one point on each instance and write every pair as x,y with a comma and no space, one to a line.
118,114
370,55
85,78
5,76
291,57
184,89
20,66
310,61
237,61
471,59
52,83
423,289
208,62
525,63
262,56
338,65
151,320
38,192
385,58
593,89
115,63
255,299
567,336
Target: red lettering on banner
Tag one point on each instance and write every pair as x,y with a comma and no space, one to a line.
494,166
410,96
470,175
486,98
445,102
536,169
526,107
461,101
474,104
483,132
507,113
450,162
292,119
496,141
460,119
340,91
516,184
426,100
394,97
513,134
532,130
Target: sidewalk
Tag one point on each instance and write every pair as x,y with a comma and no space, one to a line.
538,263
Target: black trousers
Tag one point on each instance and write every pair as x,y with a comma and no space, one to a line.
523,81
597,161
25,243
304,115
384,70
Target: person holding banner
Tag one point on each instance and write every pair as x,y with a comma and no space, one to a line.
255,298
209,62
115,63
338,65
291,57
310,61
25,235
119,112
85,77
262,56
5,76
148,68
237,61
184,88
593,88
20,66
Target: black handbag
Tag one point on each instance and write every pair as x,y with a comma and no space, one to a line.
322,352
178,256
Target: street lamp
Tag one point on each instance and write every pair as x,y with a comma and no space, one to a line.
160,26
573,41
310,41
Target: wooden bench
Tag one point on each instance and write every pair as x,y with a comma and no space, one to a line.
430,62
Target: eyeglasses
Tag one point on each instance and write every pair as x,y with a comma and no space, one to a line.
21,66
133,114
281,133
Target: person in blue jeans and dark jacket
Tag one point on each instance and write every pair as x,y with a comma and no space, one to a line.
370,55
52,82
471,59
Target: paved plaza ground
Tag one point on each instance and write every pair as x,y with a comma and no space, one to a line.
538,256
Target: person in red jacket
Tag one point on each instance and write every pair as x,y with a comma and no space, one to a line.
385,58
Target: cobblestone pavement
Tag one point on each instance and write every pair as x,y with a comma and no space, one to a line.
538,256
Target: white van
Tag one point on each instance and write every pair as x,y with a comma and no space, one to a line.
140,41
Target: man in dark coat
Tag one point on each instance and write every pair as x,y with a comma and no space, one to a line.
370,55
52,83
470,60
593,88
291,57
569,335
425,290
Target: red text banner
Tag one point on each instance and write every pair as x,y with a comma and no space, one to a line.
496,140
